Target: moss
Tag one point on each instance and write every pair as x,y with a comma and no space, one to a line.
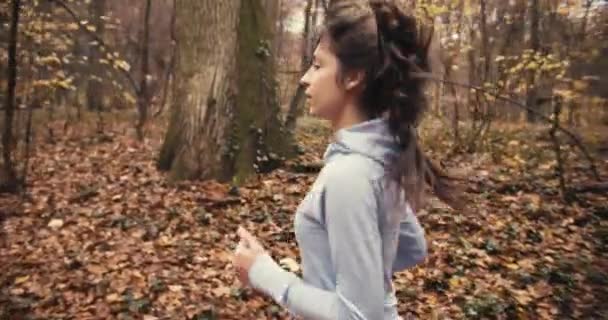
250,101
257,107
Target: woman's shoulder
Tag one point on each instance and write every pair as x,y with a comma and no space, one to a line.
351,168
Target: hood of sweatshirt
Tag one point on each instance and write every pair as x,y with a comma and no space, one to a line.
371,139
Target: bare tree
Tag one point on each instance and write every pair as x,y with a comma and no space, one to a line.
532,90
8,176
94,85
144,96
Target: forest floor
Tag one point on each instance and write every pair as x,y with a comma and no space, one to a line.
101,234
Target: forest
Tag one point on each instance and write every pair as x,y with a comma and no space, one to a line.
138,135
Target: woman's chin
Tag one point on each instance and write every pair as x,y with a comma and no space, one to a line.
313,111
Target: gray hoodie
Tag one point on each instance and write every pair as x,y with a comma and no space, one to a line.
354,230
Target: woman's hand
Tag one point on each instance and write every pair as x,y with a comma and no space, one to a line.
247,250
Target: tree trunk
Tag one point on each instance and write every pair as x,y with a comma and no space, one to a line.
485,47
143,96
294,105
8,176
171,66
532,90
224,122
94,86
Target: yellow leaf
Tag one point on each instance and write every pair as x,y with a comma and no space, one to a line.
20,280
456,282
512,266
129,97
121,64
532,66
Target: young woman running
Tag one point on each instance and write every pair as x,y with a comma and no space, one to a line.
355,227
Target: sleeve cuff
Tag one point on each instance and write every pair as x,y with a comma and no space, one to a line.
267,276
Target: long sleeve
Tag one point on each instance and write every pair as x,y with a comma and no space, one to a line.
350,214
412,248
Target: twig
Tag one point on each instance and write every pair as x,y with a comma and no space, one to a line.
577,141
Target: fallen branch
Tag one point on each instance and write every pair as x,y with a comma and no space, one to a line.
597,188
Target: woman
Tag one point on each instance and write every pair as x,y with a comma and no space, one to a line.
355,227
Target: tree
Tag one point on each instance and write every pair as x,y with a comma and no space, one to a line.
144,95
8,176
224,120
94,86
294,105
532,90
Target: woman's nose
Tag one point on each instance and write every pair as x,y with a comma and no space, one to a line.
304,80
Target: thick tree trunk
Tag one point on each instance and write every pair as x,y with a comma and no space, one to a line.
8,176
224,121
94,86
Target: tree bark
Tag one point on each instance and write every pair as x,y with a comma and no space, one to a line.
8,177
224,122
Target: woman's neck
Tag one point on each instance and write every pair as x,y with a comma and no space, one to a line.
350,116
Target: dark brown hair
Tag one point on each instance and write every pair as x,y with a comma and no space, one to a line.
376,36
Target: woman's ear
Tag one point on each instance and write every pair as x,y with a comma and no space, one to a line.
354,79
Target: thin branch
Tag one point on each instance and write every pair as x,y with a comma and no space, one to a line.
95,37
577,141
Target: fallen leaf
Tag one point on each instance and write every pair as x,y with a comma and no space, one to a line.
20,280
55,224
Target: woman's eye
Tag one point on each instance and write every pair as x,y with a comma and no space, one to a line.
315,66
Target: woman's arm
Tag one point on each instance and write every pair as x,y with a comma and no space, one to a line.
350,211
412,248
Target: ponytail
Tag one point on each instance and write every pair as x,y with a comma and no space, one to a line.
382,40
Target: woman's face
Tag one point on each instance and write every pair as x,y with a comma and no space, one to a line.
323,91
